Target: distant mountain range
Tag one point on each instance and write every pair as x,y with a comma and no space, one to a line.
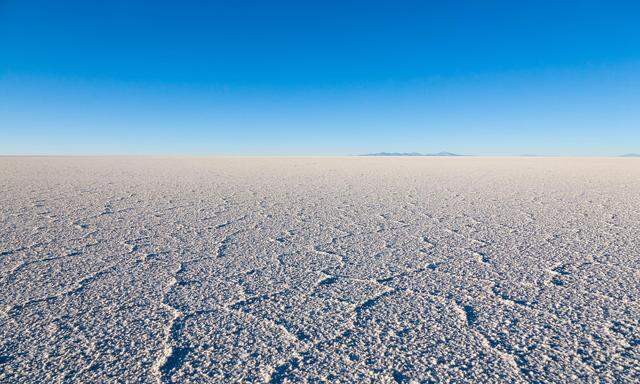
443,153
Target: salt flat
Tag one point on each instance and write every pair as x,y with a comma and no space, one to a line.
347,269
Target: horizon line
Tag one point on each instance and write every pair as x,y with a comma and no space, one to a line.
625,155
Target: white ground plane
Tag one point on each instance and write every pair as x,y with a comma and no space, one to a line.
360,269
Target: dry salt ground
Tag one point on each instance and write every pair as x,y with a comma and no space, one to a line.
172,270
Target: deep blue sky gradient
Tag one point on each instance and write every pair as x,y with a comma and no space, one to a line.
343,77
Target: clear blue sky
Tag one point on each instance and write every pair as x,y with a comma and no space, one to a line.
343,77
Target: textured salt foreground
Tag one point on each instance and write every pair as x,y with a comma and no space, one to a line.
335,269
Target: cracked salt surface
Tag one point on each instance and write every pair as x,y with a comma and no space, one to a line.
168,270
